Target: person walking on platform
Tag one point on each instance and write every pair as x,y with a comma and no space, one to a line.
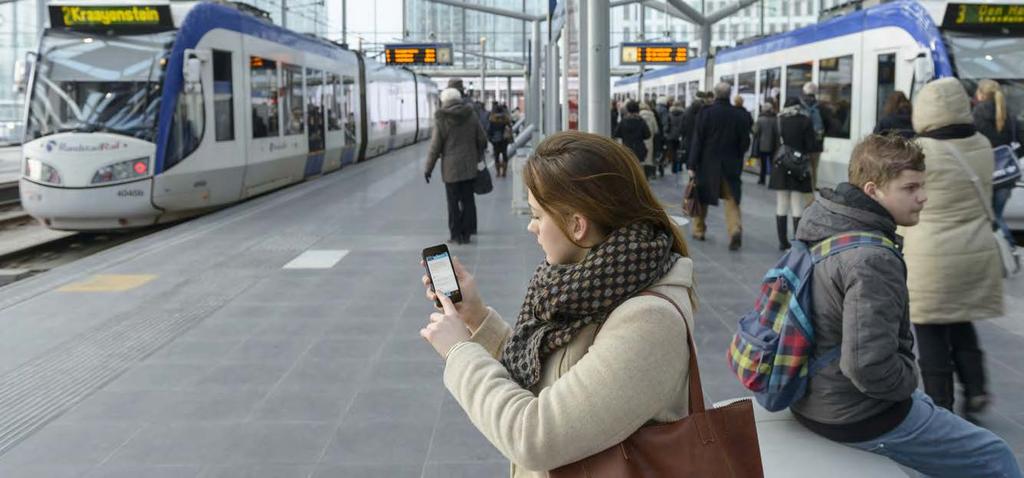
690,124
720,139
651,142
615,114
662,114
812,109
867,398
633,131
896,116
792,192
459,142
766,139
674,135
996,123
573,376
499,133
953,264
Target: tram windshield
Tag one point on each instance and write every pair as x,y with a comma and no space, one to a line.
1001,58
92,83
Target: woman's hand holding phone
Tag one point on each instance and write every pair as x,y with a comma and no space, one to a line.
445,329
471,309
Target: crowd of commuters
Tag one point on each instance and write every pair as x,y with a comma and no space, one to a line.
910,184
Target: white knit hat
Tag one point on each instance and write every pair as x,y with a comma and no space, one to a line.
450,94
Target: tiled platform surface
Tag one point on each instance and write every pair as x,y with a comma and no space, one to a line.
273,372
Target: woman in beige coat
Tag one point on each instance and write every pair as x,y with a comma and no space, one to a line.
953,268
652,124
588,361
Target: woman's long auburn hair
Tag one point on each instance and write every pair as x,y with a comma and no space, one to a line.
597,178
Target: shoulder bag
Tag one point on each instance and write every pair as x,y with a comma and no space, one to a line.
692,206
717,442
1007,253
1007,168
790,160
482,184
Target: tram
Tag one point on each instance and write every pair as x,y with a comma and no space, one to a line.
857,59
142,113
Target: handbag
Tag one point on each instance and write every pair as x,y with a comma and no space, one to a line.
1007,252
692,206
1007,168
790,160
713,443
482,184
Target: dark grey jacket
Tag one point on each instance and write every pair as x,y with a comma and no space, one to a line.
861,304
458,141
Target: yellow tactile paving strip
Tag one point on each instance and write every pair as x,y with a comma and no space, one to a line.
109,283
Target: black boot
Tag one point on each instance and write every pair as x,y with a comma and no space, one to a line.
780,227
796,224
939,386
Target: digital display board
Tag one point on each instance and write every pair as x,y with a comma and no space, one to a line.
418,54
115,17
982,17
636,53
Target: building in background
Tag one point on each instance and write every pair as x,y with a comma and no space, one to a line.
19,34
304,16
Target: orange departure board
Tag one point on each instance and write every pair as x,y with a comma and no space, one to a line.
636,53
418,54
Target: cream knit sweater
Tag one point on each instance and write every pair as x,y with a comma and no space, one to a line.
608,382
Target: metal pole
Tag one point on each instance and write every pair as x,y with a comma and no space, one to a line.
284,13
762,17
598,68
508,93
551,91
483,71
565,74
643,28
344,22
583,50
533,105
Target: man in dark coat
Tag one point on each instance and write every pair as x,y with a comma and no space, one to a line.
690,124
719,141
459,142
633,130
674,135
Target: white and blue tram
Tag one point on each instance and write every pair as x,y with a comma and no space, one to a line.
857,59
141,114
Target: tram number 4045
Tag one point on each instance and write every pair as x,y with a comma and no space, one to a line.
131,193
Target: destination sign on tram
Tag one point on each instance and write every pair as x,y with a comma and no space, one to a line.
111,17
636,53
983,16
418,54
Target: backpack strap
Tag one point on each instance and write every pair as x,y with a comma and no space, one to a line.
851,240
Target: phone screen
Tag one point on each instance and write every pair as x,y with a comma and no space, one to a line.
442,274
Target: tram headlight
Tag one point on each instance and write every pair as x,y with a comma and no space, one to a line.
41,172
120,171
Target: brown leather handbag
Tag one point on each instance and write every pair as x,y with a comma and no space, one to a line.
712,443
692,206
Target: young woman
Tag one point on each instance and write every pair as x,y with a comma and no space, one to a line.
792,193
997,124
588,361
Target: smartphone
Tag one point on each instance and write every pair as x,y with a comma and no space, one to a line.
442,273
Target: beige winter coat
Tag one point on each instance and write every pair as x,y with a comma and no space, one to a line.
595,392
652,124
954,273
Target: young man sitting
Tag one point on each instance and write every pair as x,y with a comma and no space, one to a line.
868,399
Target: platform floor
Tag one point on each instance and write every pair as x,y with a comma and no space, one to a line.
194,352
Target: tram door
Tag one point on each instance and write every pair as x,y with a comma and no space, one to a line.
315,121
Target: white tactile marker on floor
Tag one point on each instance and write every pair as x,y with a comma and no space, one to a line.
324,259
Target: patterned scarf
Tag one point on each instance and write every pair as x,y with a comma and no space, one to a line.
562,299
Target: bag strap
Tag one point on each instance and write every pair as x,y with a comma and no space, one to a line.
696,390
778,126
850,240
974,182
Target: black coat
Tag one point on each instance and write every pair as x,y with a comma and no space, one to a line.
896,123
985,121
633,130
720,139
797,133
676,116
689,125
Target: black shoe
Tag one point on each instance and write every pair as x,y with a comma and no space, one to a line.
466,240
454,240
796,224
736,242
780,229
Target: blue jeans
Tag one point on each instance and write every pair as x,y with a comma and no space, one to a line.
937,443
999,199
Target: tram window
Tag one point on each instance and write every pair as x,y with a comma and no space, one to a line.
223,96
770,87
348,98
291,96
263,77
796,76
332,91
835,94
745,89
886,81
693,89
187,127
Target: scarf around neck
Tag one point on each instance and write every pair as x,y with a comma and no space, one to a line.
562,299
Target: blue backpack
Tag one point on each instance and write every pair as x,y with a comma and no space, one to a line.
771,352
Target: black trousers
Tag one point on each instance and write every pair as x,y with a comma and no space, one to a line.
500,153
947,348
461,209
